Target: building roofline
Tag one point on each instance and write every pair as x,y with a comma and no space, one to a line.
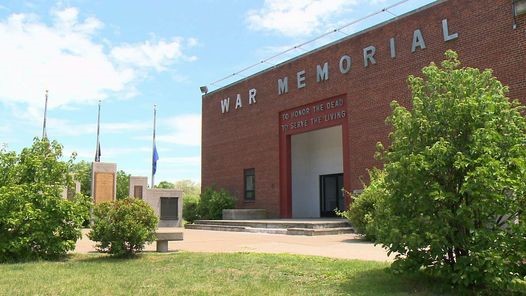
379,25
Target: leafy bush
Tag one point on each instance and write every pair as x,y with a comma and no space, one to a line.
455,174
191,208
213,202
123,227
208,206
35,222
362,209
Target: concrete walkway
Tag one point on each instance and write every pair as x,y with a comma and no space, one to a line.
343,246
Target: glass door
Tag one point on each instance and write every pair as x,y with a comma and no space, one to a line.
331,196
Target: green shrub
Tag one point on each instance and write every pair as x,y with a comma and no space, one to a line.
455,172
362,209
123,227
191,208
36,223
213,202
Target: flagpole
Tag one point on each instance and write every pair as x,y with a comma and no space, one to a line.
154,161
44,134
97,148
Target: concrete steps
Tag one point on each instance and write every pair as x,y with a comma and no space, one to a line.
308,227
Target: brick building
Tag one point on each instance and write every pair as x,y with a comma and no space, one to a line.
287,138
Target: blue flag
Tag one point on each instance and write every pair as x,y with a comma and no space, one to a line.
154,159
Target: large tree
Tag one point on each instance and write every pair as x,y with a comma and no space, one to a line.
82,173
189,187
39,164
455,177
165,185
123,184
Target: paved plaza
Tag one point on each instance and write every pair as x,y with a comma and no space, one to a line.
343,246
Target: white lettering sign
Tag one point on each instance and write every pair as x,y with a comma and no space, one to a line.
322,73
238,101
300,76
368,55
283,85
445,32
345,66
225,103
252,96
418,40
392,47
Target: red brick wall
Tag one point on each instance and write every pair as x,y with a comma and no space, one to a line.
249,137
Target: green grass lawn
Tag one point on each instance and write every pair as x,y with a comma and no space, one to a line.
185,273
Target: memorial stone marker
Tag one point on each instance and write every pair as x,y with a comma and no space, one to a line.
104,181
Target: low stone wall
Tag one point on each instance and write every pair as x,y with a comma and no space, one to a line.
244,214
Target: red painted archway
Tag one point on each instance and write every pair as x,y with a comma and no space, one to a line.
318,115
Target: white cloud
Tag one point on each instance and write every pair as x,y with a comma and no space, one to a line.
61,127
193,42
117,127
178,168
66,20
106,152
83,153
297,17
66,58
184,130
151,55
191,161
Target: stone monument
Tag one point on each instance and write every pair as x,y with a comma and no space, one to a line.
103,181
167,203
69,193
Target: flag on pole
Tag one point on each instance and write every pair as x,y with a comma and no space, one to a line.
154,159
155,156
97,149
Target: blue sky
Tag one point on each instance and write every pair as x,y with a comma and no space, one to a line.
134,54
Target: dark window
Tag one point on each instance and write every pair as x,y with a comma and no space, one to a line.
137,191
169,208
250,184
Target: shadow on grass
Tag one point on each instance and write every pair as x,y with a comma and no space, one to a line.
160,253
58,259
95,256
357,240
100,257
383,282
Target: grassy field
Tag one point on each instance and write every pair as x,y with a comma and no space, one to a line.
208,274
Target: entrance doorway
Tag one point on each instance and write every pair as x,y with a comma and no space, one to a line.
313,142
331,195
314,154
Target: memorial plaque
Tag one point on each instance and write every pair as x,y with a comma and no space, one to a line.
104,187
169,208
137,191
